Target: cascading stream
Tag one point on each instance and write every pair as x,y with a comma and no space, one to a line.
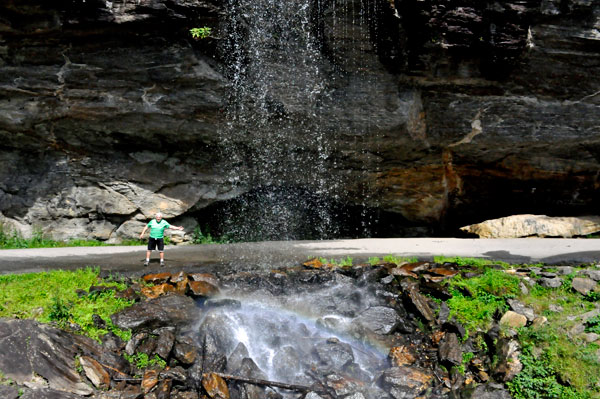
309,339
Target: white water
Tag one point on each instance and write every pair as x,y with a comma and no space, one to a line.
295,340
281,135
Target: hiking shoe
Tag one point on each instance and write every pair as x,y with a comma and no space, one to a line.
146,263
162,263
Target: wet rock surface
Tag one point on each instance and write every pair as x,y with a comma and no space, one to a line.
276,334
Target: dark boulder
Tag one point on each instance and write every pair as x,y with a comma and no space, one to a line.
164,343
25,346
450,351
164,311
333,354
379,319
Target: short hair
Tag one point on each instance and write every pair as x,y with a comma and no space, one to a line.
157,214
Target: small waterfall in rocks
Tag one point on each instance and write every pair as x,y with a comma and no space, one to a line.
332,336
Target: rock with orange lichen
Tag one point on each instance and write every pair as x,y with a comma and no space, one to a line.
401,356
313,264
215,386
158,290
157,278
202,289
406,382
149,380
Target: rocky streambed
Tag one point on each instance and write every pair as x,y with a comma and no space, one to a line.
312,331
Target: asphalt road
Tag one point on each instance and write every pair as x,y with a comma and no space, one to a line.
272,254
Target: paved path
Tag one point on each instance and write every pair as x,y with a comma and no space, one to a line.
248,256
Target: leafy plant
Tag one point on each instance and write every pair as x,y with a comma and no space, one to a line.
593,296
201,33
59,311
593,325
570,364
142,361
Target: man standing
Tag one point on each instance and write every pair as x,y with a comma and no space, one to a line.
157,232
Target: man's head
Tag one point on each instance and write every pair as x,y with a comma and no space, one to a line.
158,216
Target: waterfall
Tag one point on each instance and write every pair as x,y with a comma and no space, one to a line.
300,71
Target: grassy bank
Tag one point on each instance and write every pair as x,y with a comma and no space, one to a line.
62,297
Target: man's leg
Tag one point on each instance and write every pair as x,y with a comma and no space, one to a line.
161,250
151,246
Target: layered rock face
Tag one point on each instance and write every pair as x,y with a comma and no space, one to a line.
404,119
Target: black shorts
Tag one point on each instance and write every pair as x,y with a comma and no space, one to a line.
156,242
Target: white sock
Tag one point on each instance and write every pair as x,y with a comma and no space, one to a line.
147,259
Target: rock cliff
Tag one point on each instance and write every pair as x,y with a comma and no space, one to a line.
408,118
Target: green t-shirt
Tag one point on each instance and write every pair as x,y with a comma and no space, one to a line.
157,230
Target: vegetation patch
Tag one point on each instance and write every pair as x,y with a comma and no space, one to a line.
555,366
476,299
557,363
392,259
52,297
204,237
14,240
555,358
142,361
473,262
345,262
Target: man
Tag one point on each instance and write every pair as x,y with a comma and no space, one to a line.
157,232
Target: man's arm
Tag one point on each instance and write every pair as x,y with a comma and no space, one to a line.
175,227
144,231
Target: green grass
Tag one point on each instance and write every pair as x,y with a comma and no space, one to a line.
51,296
565,366
555,366
475,300
392,259
345,262
477,262
14,240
